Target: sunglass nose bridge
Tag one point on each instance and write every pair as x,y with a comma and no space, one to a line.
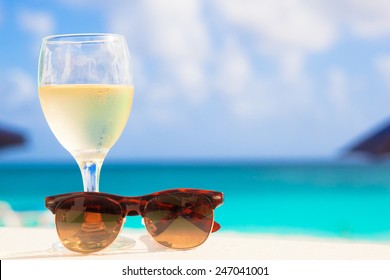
133,206
132,213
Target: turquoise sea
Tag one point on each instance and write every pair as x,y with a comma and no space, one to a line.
325,199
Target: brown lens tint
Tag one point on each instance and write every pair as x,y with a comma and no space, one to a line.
88,224
179,220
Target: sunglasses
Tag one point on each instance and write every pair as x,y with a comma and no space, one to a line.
87,222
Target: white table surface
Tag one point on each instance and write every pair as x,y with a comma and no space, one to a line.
36,243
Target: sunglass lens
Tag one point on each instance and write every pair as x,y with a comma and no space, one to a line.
179,220
88,224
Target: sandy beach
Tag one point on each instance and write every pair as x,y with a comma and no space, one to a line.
36,243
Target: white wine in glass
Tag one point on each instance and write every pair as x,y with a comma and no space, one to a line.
87,119
86,91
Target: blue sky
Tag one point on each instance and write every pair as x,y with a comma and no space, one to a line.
214,79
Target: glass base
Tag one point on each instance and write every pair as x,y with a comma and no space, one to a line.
120,244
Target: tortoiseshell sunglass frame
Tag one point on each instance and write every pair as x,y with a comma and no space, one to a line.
137,205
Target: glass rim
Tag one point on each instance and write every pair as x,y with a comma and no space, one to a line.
81,38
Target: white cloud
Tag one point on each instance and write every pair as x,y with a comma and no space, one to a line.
170,32
286,31
248,97
39,23
367,18
18,93
251,96
235,71
338,89
173,36
234,81
159,106
293,29
281,24
82,3
19,88
382,65
177,30
292,67
289,32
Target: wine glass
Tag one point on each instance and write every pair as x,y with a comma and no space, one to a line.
86,92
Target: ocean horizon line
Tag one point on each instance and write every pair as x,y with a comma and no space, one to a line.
206,162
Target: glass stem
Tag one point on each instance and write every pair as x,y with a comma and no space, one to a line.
90,171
